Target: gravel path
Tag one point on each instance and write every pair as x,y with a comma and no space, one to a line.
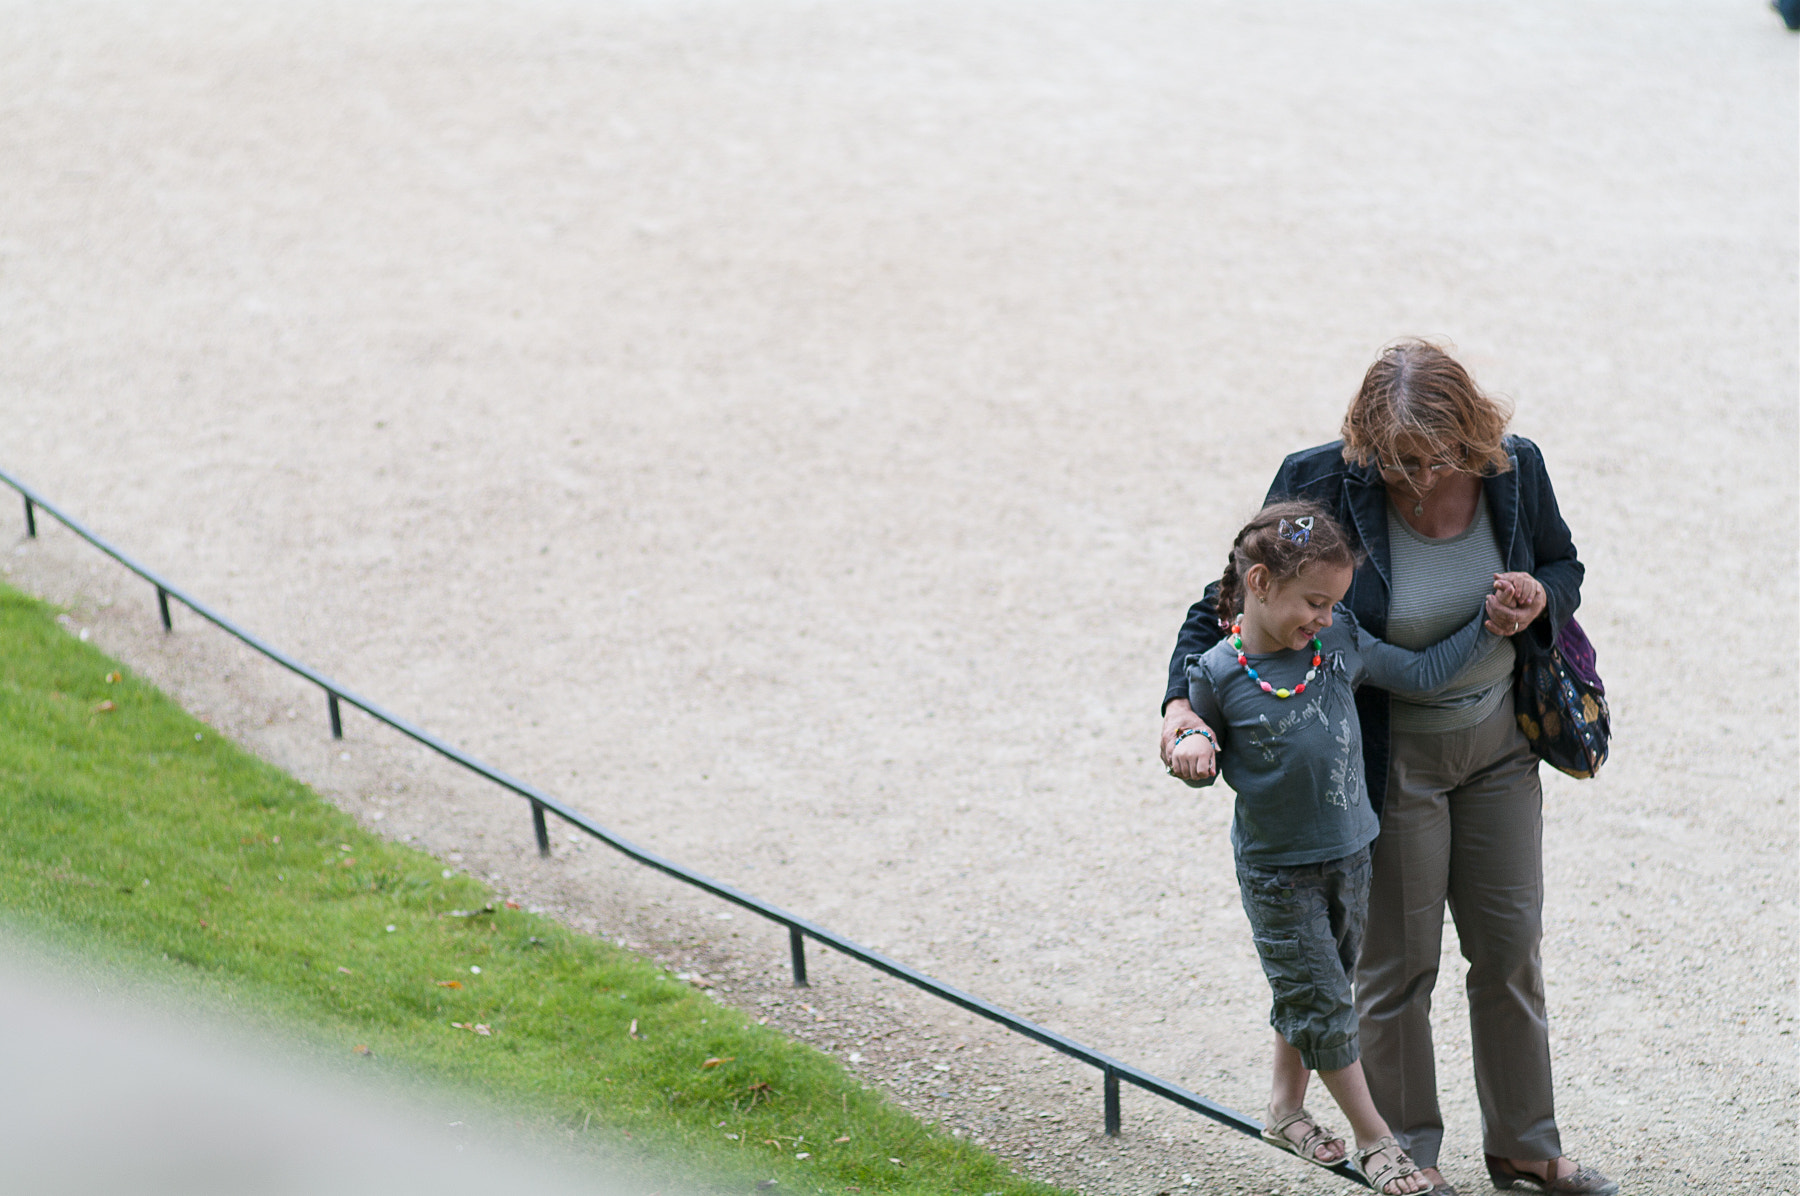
792,432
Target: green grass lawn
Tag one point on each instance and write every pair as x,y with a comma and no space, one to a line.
134,831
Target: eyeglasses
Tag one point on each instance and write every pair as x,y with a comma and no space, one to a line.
1412,469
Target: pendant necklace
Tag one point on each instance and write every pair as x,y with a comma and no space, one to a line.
1237,642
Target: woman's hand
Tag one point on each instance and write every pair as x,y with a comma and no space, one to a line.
1518,599
1193,759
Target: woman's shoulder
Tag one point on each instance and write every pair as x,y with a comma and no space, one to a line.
1315,473
1524,452
1318,460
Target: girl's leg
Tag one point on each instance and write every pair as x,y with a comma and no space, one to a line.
1287,1094
1350,1089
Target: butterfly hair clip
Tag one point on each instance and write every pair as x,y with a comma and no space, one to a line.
1297,532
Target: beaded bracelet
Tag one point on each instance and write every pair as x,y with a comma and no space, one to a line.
1195,731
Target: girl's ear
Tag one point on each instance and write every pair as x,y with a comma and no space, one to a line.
1257,581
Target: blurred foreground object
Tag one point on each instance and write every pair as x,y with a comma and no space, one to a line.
112,1087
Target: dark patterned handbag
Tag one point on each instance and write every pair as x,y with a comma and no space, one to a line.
1561,703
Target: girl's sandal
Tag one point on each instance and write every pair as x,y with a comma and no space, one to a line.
1397,1165
1275,1134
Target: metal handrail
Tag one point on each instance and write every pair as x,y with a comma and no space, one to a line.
799,929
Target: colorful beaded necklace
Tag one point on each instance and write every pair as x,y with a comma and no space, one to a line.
1237,641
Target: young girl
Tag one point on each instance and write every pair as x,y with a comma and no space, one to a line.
1277,691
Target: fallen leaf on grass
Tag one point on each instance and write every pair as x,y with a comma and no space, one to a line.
473,1028
845,1138
716,1061
897,1162
114,678
512,905
633,1031
765,1185
363,1050
346,971
104,707
448,983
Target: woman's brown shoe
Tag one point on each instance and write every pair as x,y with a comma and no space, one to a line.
1583,1181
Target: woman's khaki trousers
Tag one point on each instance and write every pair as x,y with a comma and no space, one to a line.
1463,823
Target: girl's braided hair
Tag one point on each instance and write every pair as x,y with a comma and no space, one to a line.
1284,538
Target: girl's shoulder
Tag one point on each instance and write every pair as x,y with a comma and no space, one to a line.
1217,670
1344,627
1210,661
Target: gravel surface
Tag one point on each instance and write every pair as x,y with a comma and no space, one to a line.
792,432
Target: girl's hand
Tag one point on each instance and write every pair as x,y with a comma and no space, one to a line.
1178,716
1194,759
1518,599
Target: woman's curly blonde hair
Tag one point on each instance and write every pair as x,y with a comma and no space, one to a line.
1417,393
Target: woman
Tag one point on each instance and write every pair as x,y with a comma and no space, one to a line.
1453,514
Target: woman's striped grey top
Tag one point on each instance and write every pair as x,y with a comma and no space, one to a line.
1438,585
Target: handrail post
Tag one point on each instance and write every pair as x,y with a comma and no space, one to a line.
543,832
797,948
162,608
1112,1103
337,720
30,520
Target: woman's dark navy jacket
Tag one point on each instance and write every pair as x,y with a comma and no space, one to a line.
1529,526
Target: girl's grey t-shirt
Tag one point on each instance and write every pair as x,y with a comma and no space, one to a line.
1296,763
